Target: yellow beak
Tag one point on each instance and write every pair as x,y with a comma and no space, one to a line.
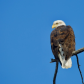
53,26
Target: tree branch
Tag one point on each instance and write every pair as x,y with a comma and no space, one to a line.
55,74
73,53
77,51
79,68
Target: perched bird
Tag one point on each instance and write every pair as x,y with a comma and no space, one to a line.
62,43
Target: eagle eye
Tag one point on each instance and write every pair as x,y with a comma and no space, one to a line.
56,23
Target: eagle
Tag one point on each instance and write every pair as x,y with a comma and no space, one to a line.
62,40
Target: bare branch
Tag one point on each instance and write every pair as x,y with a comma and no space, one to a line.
79,69
77,51
73,53
55,74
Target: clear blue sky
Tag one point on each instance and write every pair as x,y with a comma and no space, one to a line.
25,51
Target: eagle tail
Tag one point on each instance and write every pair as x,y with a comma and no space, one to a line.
65,63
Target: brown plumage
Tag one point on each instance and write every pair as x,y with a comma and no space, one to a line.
63,35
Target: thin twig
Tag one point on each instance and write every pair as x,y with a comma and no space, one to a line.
56,70
79,68
73,53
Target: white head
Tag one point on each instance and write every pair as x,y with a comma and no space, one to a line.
58,23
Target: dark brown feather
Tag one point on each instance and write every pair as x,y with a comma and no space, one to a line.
63,35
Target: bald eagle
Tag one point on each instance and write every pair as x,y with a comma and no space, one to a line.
62,43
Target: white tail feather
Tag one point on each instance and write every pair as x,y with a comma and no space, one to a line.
65,63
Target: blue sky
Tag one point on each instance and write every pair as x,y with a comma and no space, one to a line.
25,51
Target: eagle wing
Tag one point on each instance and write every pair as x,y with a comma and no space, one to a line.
63,35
